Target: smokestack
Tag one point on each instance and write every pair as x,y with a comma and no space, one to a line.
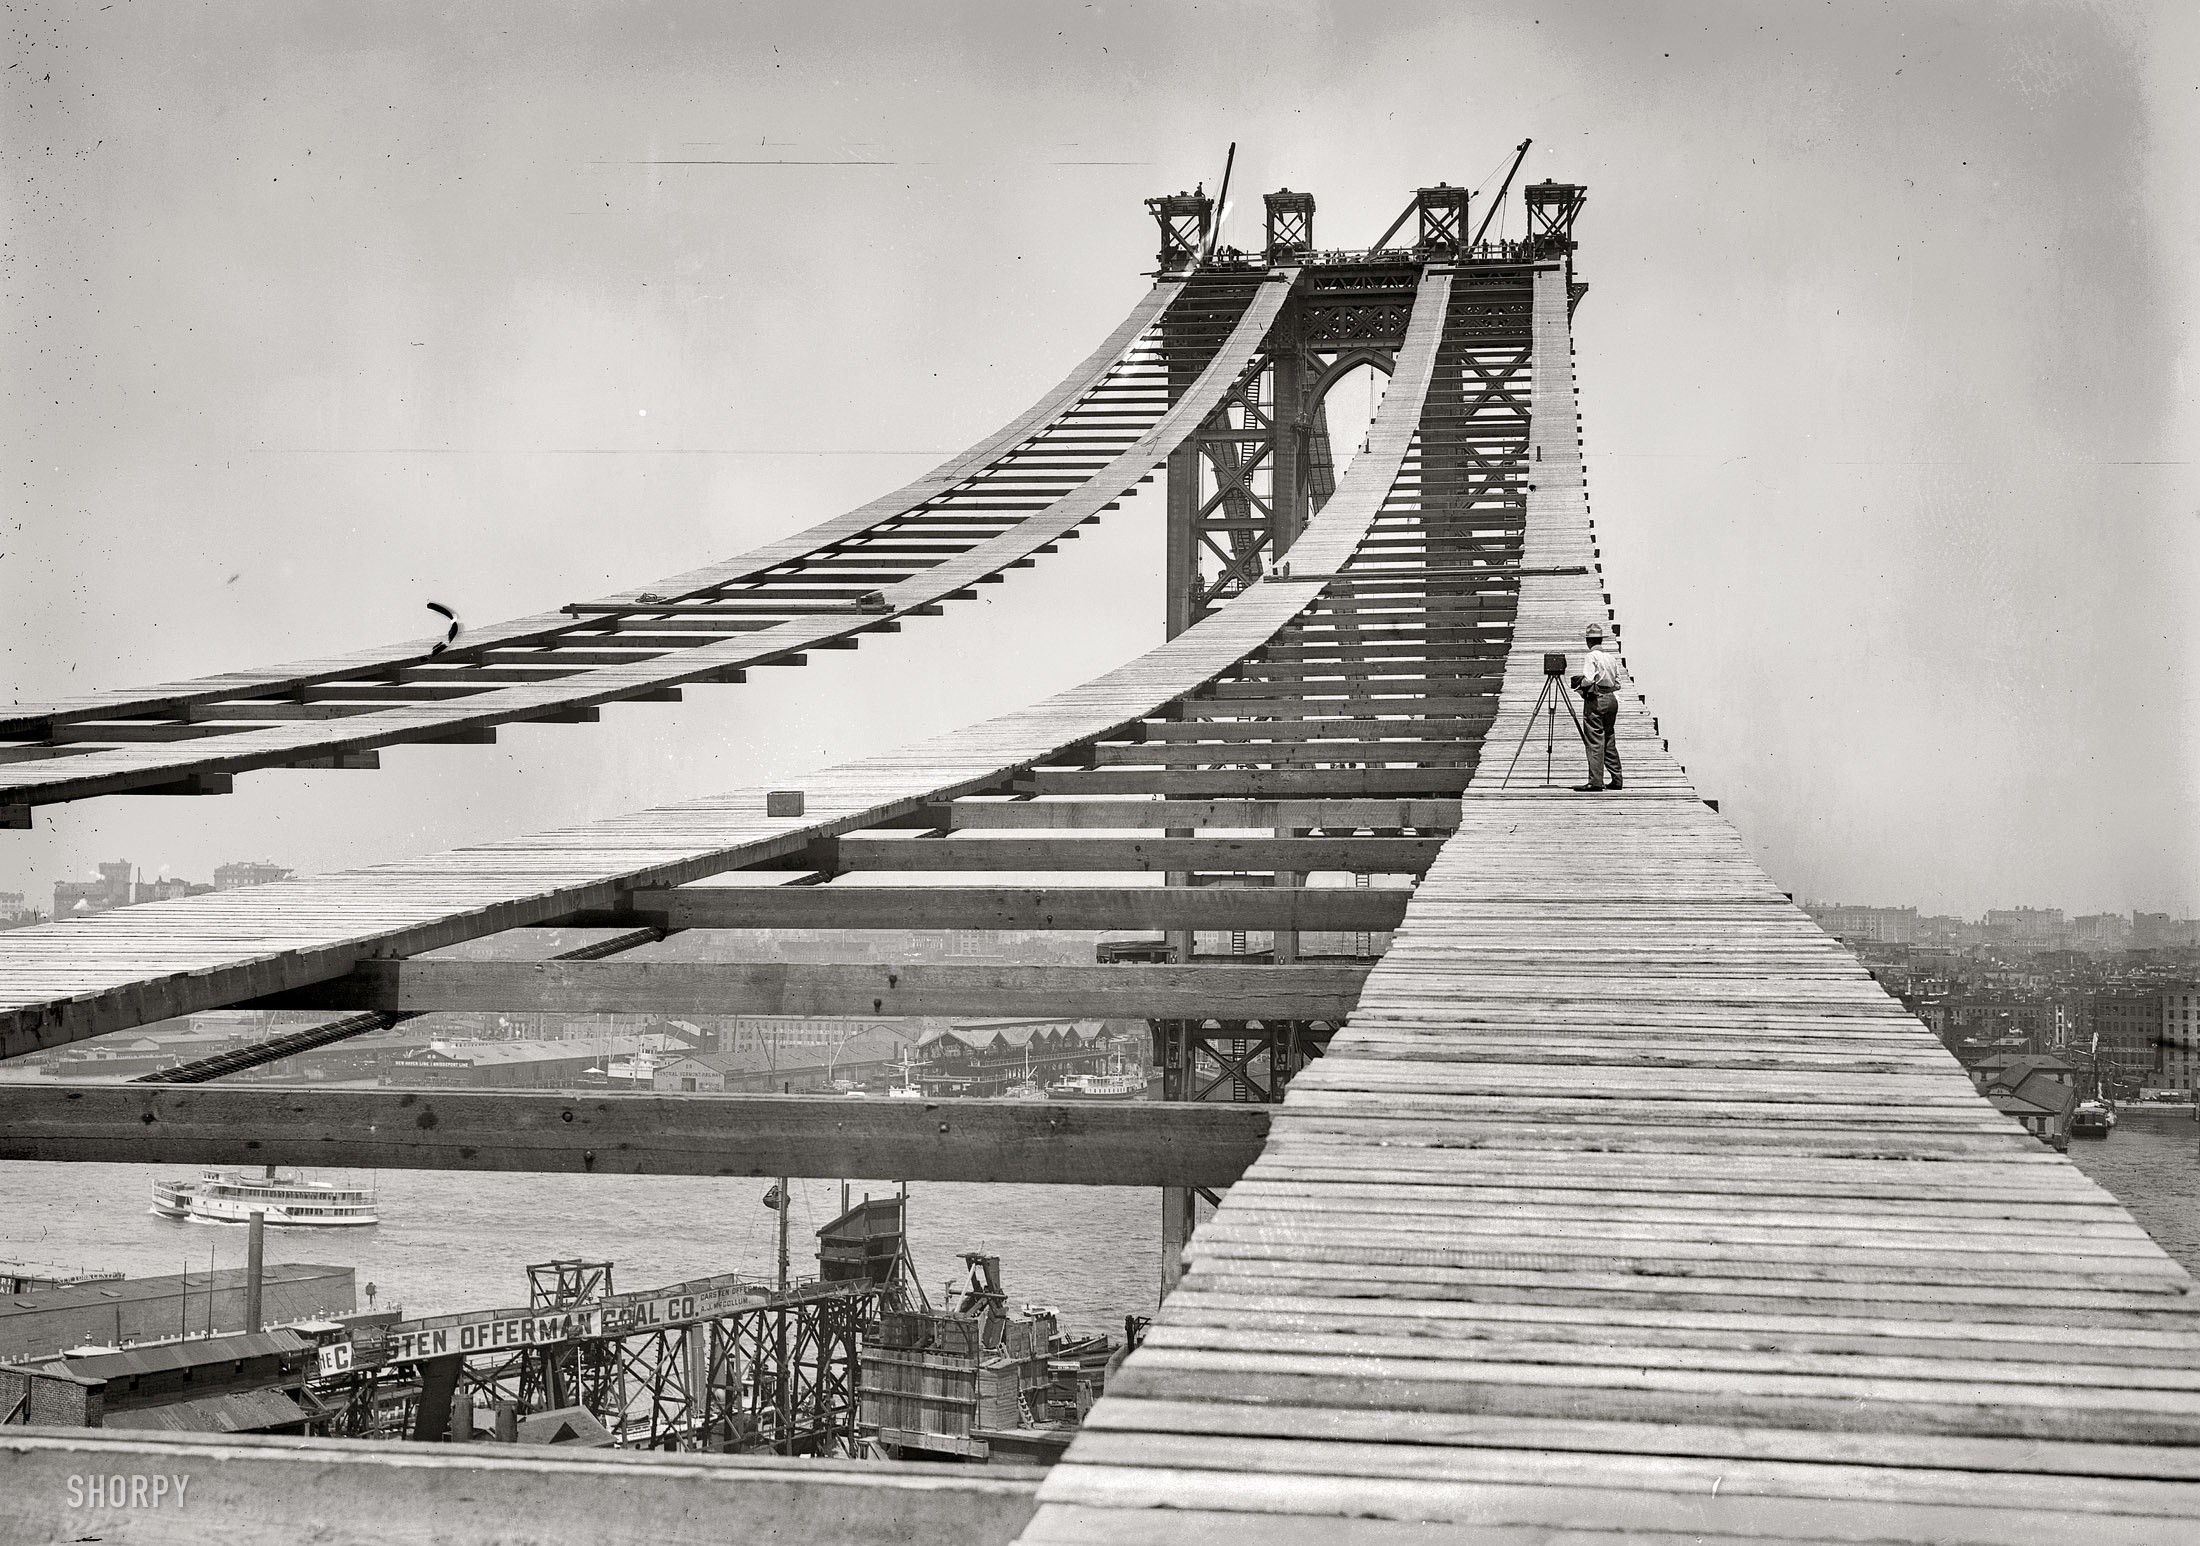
255,1261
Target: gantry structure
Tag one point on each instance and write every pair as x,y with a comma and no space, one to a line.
1614,1201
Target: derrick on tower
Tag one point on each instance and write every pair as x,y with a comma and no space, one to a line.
1442,211
1552,210
1290,225
1184,219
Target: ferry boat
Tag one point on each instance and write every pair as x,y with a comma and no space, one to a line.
2092,1119
287,1199
1118,1081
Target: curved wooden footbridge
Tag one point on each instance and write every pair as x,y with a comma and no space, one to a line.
1613,1202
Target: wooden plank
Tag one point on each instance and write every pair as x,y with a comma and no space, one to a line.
628,986
1070,1143
1374,855
1590,1436
1247,815
1249,783
260,1490
1023,907
1397,750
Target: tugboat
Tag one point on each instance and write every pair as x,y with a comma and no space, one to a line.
1028,1087
907,1089
285,1198
2092,1119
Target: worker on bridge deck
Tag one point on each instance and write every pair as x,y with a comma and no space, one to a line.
1598,685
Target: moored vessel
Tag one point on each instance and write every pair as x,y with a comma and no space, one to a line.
1118,1081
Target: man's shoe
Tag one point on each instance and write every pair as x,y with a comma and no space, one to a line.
1588,789
1616,786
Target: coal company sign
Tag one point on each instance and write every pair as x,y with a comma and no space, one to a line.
497,1331
493,1333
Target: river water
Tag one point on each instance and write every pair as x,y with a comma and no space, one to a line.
453,1242
2151,1161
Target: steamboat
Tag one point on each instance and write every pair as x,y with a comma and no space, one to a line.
285,1198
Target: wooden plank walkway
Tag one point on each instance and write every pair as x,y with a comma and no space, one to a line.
61,982
1628,1207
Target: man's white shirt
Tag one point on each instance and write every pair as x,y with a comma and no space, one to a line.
1600,668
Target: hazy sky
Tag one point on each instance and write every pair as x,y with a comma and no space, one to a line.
317,312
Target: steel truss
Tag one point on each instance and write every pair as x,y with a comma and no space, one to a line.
777,1377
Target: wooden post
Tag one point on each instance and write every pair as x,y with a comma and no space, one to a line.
1177,1203
1287,498
782,1373
1182,567
439,1379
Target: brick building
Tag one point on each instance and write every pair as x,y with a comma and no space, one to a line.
2127,1037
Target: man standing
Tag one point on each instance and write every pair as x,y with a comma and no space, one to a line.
1598,685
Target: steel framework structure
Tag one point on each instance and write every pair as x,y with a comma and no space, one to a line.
774,1376
1687,1231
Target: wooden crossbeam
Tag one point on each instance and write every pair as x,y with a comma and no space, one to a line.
250,1489
1023,907
194,783
1354,687
1376,855
1180,754
1246,783
1078,1143
1418,668
1350,728
1249,814
779,988
1299,706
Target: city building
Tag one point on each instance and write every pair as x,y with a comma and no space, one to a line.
239,873
2101,931
2159,931
2180,1065
2126,1040
2028,928
150,1049
116,1312
524,1065
253,1382
16,911
2038,1092
1940,929
987,1057
763,1054
1979,1026
117,886
1876,925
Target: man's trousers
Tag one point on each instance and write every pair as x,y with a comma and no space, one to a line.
1600,728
